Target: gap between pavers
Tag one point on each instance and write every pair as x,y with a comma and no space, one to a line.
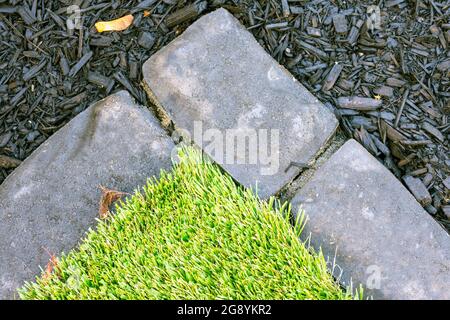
52,198
289,191
218,85
375,231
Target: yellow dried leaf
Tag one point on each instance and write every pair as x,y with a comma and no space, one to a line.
115,25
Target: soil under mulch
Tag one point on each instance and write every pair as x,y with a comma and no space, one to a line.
385,76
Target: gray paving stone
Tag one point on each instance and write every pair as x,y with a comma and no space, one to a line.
217,73
52,198
360,214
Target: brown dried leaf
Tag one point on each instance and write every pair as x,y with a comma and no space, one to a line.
109,196
52,265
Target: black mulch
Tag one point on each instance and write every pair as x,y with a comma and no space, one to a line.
383,67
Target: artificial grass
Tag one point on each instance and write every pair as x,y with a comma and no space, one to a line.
192,234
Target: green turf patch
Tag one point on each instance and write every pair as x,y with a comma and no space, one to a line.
192,234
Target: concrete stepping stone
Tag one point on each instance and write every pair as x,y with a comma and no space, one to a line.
218,85
52,198
378,234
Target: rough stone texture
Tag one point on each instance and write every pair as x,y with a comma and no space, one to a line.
217,73
51,200
362,216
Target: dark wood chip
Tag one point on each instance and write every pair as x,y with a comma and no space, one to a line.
384,91
187,13
100,80
9,162
332,76
446,211
446,182
316,51
146,40
80,64
30,74
26,15
101,41
340,23
418,190
315,32
433,131
359,103
391,133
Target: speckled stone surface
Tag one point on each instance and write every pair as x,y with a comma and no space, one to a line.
217,83
378,234
52,198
